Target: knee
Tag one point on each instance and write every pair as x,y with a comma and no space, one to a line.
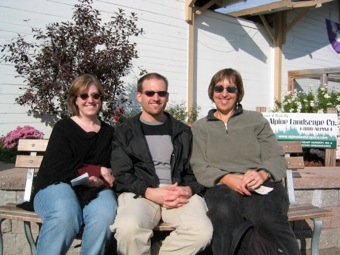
128,229
203,233
64,221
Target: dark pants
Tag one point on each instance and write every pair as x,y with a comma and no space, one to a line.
228,210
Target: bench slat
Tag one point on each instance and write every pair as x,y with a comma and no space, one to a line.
291,147
26,161
306,211
37,145
295,163
11,212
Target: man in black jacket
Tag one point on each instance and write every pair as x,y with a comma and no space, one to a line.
150,161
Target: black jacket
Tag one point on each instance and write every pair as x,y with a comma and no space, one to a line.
132,163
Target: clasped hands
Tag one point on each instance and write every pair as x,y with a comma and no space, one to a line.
244,183
172,196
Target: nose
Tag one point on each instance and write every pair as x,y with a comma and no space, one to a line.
90,99
155,97
224,92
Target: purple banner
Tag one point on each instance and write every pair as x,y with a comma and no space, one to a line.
333,29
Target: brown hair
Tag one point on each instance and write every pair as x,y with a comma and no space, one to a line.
150,76
233,76
79,86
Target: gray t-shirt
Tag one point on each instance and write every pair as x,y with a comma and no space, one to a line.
158,137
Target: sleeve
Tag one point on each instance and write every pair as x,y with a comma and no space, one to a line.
204,172
188,178
272,154
60,162
123,166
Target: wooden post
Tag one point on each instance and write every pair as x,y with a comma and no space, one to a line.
330,154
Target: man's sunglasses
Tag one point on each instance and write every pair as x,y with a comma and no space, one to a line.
220,88
151,93
95,96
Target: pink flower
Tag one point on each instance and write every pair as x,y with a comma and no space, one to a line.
25,132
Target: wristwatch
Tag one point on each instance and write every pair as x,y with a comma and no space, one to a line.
269,176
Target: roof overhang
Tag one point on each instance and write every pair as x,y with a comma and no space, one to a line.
197,7
278,6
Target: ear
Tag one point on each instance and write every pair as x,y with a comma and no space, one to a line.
139,97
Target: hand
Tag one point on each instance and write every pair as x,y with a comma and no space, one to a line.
235,182
254,179
106,173
172,196
94,182
183,193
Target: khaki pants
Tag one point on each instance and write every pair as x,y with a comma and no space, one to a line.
136,218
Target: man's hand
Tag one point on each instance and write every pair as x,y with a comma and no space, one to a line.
107,175
106,178
172,196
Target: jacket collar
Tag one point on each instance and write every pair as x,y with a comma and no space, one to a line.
237,111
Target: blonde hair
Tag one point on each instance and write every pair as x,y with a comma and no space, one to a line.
79,86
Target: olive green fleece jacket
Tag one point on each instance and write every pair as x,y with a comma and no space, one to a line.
246,142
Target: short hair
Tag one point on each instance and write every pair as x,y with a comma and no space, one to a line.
233,76
150,76
79,86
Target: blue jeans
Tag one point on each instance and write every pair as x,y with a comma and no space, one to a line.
268,214
62,216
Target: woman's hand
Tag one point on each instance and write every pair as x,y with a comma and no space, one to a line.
254,178
244,183
235,182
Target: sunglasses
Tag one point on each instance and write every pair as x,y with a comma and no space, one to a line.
95,96
220,88
151,93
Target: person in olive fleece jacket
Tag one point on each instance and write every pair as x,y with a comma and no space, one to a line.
78,144
150,160
234,153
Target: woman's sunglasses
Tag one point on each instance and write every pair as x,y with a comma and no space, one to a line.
95,96
220,88
151,93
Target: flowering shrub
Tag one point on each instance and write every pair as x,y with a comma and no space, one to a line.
299,101
9,143
178,111
118,116
181,113
25,132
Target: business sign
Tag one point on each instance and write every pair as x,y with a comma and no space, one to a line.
314,130
338,143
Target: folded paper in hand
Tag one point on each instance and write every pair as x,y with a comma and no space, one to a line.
80,180
263,190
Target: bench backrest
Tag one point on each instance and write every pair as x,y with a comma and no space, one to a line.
31,162
293,153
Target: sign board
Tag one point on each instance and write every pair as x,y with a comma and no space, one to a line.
314,130
338,143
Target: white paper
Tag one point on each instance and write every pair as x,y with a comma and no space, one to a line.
80,180
263,190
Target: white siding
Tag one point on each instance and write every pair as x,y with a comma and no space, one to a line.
222,42
226,42
307,45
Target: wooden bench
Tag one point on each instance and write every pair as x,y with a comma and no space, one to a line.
31,162
297,211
